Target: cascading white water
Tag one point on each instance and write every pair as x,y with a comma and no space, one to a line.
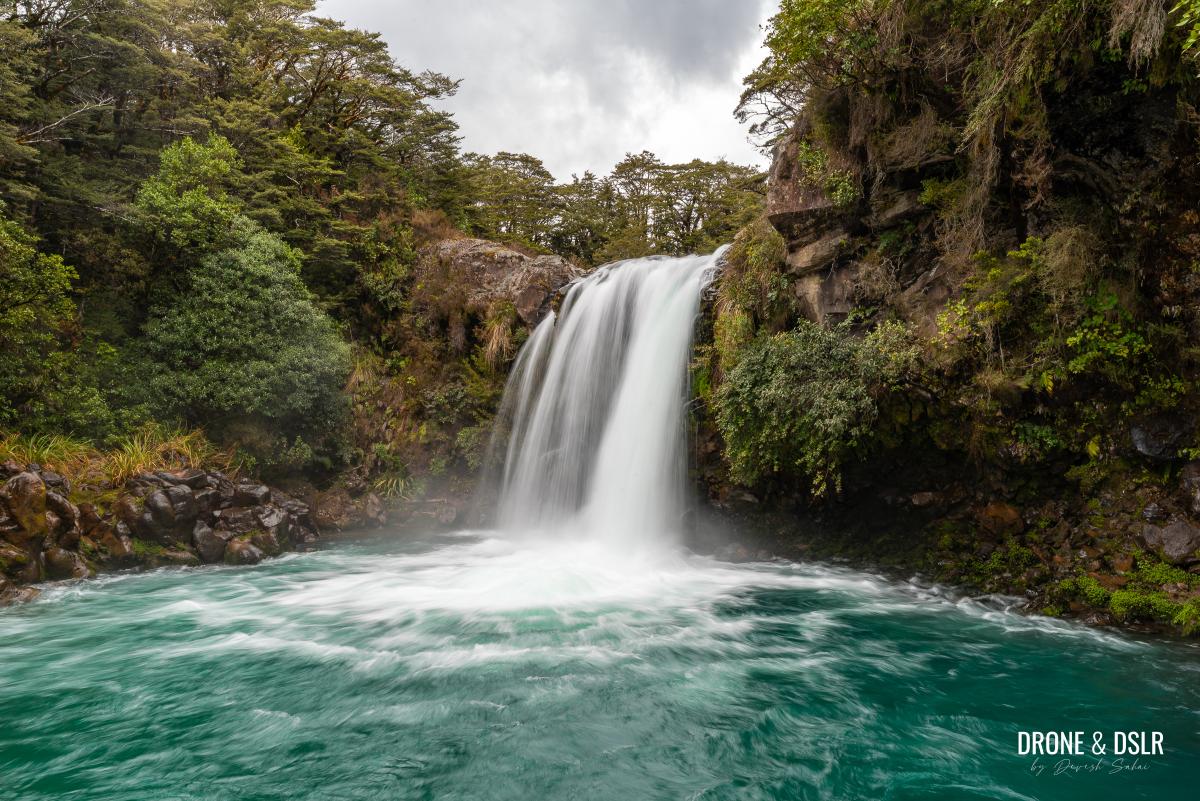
597,400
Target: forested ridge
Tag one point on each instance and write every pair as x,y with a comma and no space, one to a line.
212,213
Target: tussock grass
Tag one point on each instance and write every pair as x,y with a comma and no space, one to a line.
151,447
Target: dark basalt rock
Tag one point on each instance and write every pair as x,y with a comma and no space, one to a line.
1178,542
274,521
162,511
64,564
200,517
116,541
1158,437
251,495
242,552
62,519
266,542
210,545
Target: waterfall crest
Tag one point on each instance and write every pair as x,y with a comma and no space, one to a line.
597,399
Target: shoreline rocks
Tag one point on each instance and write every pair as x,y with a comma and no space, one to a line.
156,518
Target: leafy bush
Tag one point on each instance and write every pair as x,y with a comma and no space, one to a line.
802,403
245,343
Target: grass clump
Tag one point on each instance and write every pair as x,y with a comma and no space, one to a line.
149,448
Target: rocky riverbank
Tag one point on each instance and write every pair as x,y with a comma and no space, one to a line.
50,530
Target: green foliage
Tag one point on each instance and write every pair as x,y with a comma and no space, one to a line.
1188,20
1126,604
839,185
35,310
1087,588
1147,595
246,342
47,381
803,403
812,44
1106,341
752,290
643,207
186,200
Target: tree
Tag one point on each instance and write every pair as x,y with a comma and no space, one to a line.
517,201
35,309
244,346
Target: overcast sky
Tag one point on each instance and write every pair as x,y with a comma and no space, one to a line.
579,83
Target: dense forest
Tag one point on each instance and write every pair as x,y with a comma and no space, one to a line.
212,213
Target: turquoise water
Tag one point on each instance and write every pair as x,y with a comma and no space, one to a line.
472,668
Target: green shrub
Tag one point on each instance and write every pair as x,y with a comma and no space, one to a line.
244,344
802,403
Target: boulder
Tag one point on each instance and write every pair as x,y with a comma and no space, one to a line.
208,500
11,594
64,564
1158,437
266,542
251,495
13,559
471,276
1177,542
55,481
116,541
162,511
191,478
185,508
275,521
242,552
66,529
210,545
24,495
89,518
237,520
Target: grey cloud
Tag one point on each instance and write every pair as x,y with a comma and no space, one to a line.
580,82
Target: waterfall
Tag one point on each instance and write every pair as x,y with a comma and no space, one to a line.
597,399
